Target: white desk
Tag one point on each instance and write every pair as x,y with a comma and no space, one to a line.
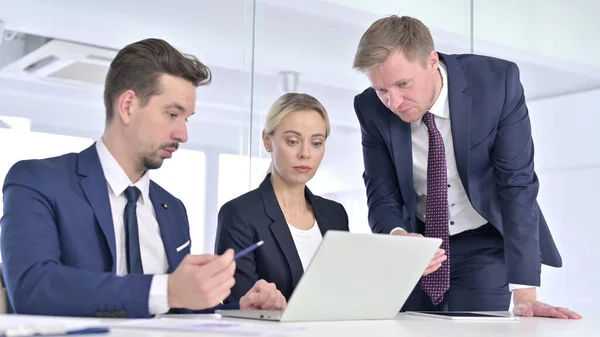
403,325
407,325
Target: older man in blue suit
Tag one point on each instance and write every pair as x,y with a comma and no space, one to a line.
89,234
448,153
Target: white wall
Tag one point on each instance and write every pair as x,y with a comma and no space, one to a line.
545,27
568,166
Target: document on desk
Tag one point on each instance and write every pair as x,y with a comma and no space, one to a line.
212,325
34,325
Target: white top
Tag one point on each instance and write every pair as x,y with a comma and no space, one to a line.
154,257
307,242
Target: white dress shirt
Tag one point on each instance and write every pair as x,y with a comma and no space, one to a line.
463,216
154,257
307,242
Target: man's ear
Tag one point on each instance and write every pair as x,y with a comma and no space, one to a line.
433,59
126,106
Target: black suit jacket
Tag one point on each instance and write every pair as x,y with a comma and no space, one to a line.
256,216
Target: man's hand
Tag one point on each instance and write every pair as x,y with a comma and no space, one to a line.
436,261
527,305
201,281
264,296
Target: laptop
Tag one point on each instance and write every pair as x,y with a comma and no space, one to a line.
354,276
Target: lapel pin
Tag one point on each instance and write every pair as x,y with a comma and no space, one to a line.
164,205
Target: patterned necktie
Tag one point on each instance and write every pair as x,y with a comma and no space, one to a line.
436,210
134,257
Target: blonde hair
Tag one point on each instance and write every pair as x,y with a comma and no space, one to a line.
393,33
289,103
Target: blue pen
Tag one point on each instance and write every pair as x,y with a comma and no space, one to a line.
248,250
88,331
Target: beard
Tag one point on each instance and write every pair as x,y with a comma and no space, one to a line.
153,160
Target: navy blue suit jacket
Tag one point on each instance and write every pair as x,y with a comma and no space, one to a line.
58,240
256,216
494,154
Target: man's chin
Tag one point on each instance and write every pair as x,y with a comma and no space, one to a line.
409,116
153,164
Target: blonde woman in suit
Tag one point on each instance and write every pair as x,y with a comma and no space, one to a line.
282,211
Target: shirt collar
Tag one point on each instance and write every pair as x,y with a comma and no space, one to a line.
440,107
117,179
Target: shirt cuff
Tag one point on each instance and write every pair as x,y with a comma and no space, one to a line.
158,302
512,286
397,229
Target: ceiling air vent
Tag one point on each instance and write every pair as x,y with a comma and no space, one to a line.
63,62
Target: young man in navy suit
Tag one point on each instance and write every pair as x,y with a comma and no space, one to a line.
89,234
448,153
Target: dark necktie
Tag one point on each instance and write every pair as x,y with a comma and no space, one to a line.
134,257
436,210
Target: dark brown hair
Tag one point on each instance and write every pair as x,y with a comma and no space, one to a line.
139,66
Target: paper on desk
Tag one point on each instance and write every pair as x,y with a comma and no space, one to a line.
10,322
211,325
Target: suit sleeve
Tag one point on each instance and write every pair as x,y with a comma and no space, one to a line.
233,305
517,185
225,306
36,281
383,191
233,232
346,220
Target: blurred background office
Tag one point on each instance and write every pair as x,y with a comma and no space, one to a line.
54,56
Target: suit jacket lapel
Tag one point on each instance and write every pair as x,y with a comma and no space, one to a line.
402,149
165,224
325,223
280,230
460,117
94,186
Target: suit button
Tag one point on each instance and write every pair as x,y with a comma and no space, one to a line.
452,222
